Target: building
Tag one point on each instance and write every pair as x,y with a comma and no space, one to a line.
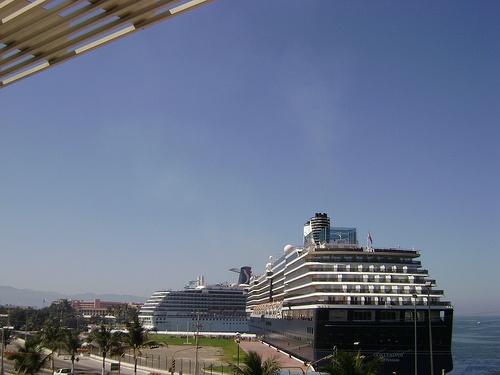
99,308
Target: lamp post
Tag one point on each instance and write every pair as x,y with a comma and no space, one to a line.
173,357
119,364
3,347
196,342
357,345
238,339
1,365
429,285
310,364
415,327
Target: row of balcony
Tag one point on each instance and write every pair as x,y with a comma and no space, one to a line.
368,290
370,279
370,268
376,301
336,259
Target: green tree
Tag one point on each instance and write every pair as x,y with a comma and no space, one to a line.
63,312
345,363
28,318
30,357
123,313
106,341
52,337
118,350
253,365
71,344
136,339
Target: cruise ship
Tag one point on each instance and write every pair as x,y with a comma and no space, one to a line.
331,294
207,308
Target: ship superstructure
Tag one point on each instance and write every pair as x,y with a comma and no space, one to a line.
215,308
337,295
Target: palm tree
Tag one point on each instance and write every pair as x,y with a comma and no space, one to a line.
52,337
71,344
253,365
345,363
137,338
118,350
106,341
30,357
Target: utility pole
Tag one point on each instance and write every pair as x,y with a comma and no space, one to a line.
173,360
415,328
26,327
3,328
196,343
1,365
310,364
2,348
238,339
430,327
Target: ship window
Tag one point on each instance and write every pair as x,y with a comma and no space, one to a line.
362,315
337,315
409,316
389,315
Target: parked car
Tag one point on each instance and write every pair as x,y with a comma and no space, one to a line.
62,371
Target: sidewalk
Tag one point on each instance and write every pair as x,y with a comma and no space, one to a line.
266,351
147,370
130,366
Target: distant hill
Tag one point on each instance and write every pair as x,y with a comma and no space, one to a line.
36,298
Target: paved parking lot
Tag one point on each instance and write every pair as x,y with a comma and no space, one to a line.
267,352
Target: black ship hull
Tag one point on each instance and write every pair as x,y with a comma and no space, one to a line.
313,338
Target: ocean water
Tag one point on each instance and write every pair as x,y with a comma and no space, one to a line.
476,345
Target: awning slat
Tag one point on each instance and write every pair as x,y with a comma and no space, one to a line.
35,36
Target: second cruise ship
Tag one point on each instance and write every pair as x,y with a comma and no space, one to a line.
209,308
331,294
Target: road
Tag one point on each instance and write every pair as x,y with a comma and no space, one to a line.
87,365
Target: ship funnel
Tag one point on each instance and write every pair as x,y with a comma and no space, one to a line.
317,229
245,274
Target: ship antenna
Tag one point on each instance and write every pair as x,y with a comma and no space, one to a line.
369,242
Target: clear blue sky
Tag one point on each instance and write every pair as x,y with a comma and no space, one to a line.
205,142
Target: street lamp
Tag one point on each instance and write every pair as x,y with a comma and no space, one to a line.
429,285
3,348
1,364
196,343
178,351
415,327
238,339
310,364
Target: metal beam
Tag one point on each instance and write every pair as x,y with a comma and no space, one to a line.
35,36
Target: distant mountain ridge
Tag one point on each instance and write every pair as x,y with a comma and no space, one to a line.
36,298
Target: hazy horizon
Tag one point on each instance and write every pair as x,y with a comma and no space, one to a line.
205,142
467,310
